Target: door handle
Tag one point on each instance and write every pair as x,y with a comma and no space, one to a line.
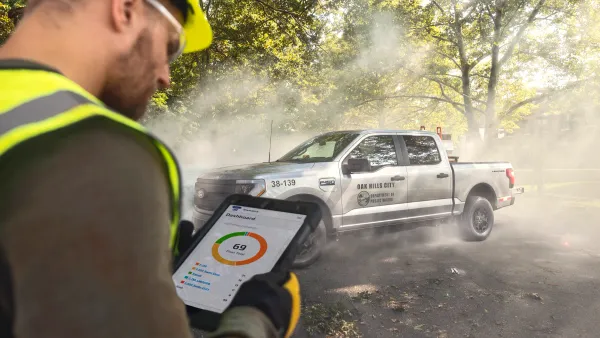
442,175
398,178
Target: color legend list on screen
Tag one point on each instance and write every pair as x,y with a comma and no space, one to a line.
195,277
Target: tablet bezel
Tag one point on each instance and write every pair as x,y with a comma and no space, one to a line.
208,320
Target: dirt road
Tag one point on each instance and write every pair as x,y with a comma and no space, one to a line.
538,275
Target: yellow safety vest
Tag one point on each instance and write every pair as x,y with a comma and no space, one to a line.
35,101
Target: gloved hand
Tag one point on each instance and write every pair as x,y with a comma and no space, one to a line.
184,239
186,230
275,294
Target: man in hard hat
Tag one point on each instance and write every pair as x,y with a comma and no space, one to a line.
87,193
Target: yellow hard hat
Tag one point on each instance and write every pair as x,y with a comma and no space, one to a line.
198,34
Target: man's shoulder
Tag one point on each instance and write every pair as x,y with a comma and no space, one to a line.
95,136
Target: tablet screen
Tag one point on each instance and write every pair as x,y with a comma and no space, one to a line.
242,243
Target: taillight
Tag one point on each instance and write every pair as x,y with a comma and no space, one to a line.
510,173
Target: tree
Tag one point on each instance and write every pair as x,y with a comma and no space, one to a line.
371,56
447,57
10,13
321,65
478,41
258,42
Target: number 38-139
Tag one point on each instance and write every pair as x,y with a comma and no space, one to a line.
283,183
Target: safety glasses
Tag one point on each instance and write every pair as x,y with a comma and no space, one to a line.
174,51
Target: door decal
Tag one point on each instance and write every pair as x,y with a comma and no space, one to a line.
363,198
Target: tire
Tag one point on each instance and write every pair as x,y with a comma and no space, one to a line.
311,249
477,221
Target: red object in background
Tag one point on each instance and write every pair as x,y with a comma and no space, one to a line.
439,131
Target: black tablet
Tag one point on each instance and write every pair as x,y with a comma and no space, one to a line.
245,236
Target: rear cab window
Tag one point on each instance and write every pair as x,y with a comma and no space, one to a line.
422,150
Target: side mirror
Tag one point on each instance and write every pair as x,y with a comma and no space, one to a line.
358,165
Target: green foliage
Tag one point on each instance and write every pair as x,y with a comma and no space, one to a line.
6,24
11,12
321,65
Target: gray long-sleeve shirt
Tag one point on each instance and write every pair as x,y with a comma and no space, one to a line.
84,227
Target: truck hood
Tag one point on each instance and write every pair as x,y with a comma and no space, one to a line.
257,170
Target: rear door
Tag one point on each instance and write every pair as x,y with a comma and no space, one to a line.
429,177
378,196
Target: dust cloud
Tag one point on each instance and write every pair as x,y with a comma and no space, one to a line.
550,152
224,143
554,154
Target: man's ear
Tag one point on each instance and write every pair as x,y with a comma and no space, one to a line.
126,14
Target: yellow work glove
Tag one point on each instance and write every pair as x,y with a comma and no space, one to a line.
275,294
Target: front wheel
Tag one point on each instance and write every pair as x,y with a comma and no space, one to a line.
312,248
477,220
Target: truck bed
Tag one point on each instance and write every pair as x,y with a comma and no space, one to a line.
467,175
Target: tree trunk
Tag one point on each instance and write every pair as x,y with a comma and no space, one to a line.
491,119
381,115
466,89
465,69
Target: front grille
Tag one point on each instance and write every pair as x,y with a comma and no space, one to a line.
215,192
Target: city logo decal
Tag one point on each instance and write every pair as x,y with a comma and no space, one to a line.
363,198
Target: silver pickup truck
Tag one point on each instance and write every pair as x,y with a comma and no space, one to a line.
369,178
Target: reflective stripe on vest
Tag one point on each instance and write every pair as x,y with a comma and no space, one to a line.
40,109
64,108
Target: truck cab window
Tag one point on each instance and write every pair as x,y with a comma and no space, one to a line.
379,150
422,150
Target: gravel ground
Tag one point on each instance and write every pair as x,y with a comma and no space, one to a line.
538,275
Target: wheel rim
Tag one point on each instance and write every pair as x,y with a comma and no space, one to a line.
308,246
481,221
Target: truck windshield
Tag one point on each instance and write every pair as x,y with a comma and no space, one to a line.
322,148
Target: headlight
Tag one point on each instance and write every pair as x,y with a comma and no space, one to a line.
250,187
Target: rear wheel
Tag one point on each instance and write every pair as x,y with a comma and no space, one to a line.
311,249
477,220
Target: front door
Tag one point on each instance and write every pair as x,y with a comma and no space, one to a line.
377,196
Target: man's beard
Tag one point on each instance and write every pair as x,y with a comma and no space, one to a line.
131,82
